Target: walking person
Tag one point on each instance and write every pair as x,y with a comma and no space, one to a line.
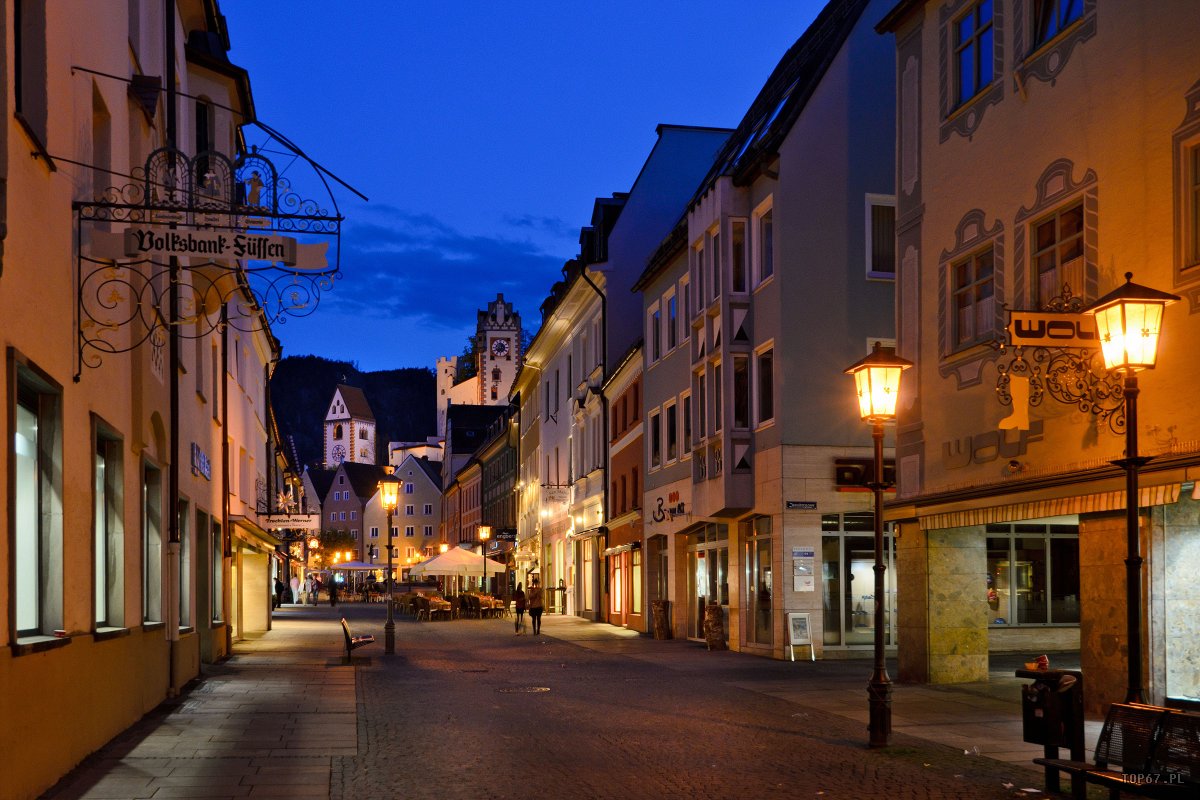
534,599
333,590
279,590
519,605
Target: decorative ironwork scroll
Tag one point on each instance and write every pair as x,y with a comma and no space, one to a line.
250,252
1068,375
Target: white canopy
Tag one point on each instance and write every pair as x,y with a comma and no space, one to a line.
457,561
357,565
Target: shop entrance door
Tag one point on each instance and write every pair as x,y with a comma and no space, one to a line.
708,578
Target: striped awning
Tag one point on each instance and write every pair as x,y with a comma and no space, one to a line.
1164,494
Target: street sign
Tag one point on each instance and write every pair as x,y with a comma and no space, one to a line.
802,505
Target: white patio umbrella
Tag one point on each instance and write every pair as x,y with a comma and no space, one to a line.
457,561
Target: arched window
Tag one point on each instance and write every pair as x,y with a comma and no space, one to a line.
337,431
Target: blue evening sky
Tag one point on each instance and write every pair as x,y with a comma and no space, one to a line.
482,132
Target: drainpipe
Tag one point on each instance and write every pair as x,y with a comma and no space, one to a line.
171,612
226,533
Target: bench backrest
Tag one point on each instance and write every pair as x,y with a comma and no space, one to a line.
1178,751
1127,738
346,631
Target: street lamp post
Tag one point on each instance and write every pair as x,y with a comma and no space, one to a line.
485,533
877,383
389,496
1128,322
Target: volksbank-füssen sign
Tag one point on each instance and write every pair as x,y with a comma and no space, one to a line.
142,241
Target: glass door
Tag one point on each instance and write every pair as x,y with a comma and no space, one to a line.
708,577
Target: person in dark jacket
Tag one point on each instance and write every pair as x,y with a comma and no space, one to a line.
519,605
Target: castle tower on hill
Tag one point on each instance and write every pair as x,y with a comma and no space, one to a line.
497,344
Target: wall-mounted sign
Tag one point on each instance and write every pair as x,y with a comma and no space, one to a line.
1033,328
804,569
505,534
304,522
668,508
200,463
802,505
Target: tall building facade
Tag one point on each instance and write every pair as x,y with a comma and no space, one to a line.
139,462
1011,518
497,360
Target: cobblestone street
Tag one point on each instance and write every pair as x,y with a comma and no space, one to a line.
467,709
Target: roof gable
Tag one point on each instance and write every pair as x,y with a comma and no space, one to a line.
349,401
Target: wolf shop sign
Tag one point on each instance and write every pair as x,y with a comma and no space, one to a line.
984,447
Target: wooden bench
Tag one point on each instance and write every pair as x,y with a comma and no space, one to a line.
354,642
1156,749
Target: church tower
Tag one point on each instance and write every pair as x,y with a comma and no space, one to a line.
498,340
349,428
498,346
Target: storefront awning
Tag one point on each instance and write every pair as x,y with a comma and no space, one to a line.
252,534
1052,507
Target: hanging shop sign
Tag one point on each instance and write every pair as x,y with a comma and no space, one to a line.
300,522
554,494
152,241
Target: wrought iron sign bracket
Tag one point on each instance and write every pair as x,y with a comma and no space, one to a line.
248,252
1032,366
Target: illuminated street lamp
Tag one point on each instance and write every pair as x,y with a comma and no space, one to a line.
485,533
389,496
877,382
1128,321
443,547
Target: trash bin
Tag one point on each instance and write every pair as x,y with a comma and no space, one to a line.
1052,714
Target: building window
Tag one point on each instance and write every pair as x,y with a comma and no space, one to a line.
353,515
685,293
333,516
108,523
672,423
766,244
737,256
185,568
36,505
409,488
1193,200
654,333
766,385
1033,574
341,516
715,249
756,534
672,322
701,405
741,392
216,564
410,531
152,544
700,270
1052,17
718,397
337,431
409,511
974,297
973,65
354,533
29,60
635,573
686,402
655,439
1058,253
428,530
881,236
428,509
375,532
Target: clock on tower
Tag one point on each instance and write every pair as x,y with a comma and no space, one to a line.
339,454
500,348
